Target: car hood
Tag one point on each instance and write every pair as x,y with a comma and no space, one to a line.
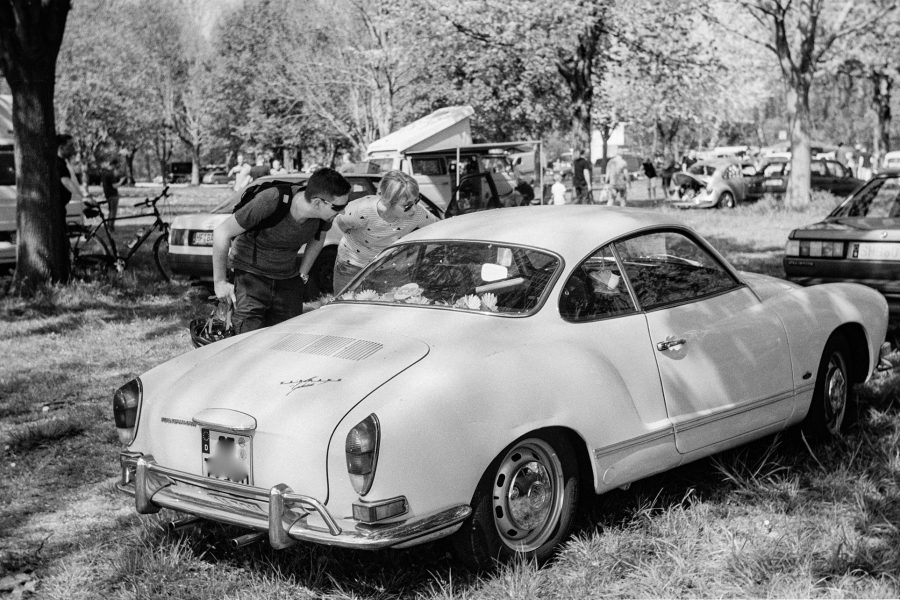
880,229
294,382
199,221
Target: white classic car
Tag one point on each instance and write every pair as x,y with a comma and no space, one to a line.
480,373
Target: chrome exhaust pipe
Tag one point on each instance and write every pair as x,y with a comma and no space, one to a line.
173,526
247,539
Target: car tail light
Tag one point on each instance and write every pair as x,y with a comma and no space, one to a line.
362,453
709,189
178,237
817,249
126,405
792,248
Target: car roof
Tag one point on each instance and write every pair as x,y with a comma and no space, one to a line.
571,230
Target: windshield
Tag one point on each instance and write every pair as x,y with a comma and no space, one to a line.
472,276
879,199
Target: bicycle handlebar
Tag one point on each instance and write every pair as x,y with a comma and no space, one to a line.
149,202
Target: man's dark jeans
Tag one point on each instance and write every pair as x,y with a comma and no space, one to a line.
263,301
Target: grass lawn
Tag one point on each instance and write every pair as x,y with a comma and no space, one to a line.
777,518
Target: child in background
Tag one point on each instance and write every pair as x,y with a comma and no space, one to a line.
558,189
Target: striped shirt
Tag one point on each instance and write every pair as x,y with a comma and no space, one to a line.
366,233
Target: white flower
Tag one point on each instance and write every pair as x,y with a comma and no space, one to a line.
489,302
418,300
472,302
347,296
366,295
410,290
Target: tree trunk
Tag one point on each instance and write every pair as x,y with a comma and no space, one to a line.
798,189
195,165
129,166
881,102
41,246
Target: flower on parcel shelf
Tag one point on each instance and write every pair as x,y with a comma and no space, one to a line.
418,300
489,302
471,301
366,295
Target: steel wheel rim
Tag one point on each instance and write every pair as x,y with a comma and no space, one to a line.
528,495
835,393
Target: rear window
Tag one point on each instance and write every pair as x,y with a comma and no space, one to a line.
880,198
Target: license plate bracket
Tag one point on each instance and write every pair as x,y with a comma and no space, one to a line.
226,456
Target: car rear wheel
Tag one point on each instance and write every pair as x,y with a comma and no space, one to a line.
524,504
726,200
832,392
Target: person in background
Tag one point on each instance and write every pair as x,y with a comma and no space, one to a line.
617,178
668,169
689,159
268,284
558,190
581,179
69,186
650,174
260,169
109,179
374,222
277,169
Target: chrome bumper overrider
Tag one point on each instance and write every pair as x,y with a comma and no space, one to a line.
281,512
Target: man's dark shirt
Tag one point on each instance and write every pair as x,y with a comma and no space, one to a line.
581,165
64,194
258,171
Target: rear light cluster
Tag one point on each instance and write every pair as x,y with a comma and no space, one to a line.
815,248
126,405
178,237
361,449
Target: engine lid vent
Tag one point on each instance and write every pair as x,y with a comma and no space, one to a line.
328,345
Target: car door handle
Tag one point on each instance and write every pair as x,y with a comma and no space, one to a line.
669,344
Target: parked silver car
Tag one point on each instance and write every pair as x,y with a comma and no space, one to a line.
716,183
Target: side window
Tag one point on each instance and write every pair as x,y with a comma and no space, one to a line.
669,268
817,167
7,167
773,169
837,169
428,166
595,290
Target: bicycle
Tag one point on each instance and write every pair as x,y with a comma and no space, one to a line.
93,247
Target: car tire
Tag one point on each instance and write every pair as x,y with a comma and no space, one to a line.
832,393
726,200
504,522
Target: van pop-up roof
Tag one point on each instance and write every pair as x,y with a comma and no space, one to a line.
443,129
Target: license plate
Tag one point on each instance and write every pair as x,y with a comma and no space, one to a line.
226,456
773,183
867,251
202,238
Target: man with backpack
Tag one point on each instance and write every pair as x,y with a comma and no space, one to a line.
270,224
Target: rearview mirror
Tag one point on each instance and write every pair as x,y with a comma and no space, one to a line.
493,272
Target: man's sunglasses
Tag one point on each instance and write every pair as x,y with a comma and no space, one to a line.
334,207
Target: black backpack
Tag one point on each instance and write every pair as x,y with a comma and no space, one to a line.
285,190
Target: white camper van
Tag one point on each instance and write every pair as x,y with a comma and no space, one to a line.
437,150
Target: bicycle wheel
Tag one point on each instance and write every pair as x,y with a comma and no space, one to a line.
161,256
90,257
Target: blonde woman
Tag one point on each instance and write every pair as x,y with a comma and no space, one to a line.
372,223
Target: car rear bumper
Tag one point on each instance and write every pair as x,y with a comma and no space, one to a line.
286,516
879,275
191,262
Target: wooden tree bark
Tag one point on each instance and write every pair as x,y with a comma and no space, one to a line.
881,103
31,32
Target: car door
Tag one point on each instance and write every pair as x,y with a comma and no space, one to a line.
723,360
605,324
819,177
